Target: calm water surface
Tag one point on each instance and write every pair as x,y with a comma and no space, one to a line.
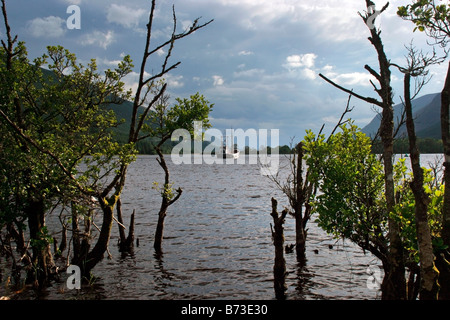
217,243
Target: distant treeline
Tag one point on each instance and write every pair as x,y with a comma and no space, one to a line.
146,147
281,150
401,146
425,145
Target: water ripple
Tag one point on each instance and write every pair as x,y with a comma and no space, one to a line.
217,242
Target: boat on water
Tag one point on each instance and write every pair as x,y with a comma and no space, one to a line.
229,152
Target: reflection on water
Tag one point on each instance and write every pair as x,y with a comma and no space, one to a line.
217,243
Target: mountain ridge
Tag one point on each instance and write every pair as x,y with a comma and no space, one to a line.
426,113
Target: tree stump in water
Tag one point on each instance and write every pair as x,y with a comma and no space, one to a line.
279,269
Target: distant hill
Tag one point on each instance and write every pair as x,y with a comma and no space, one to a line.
123,113
426,111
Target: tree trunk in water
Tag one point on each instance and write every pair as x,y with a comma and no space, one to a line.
279,269
300,239
96,255
81,241
18,237
75,236
300,232
125,243
429,287
122,238
413,284
157,245
166,201
130,239
444,267
42,256
63,244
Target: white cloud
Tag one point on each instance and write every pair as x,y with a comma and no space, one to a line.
174,81
330,119
351,79
160,52
132,80
263,10
327,68
331,20
125,16
99,38
302,60
308,74
186,24
301,65
218,80
109,63
245,53
48,27
248,73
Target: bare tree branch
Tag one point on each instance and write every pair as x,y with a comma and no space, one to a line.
373,72
347,110
367,99
165,68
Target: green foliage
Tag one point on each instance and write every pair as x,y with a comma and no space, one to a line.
404,210
351,184
186,111
42,240
285,150
57,141
167,191
429,17
166,119
351,203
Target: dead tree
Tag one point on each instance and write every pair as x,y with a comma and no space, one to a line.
303,192
167,199
299,189
145,98
279,269
126,243
394,283
417,67
145,90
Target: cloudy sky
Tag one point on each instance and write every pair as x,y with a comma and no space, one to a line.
258,62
